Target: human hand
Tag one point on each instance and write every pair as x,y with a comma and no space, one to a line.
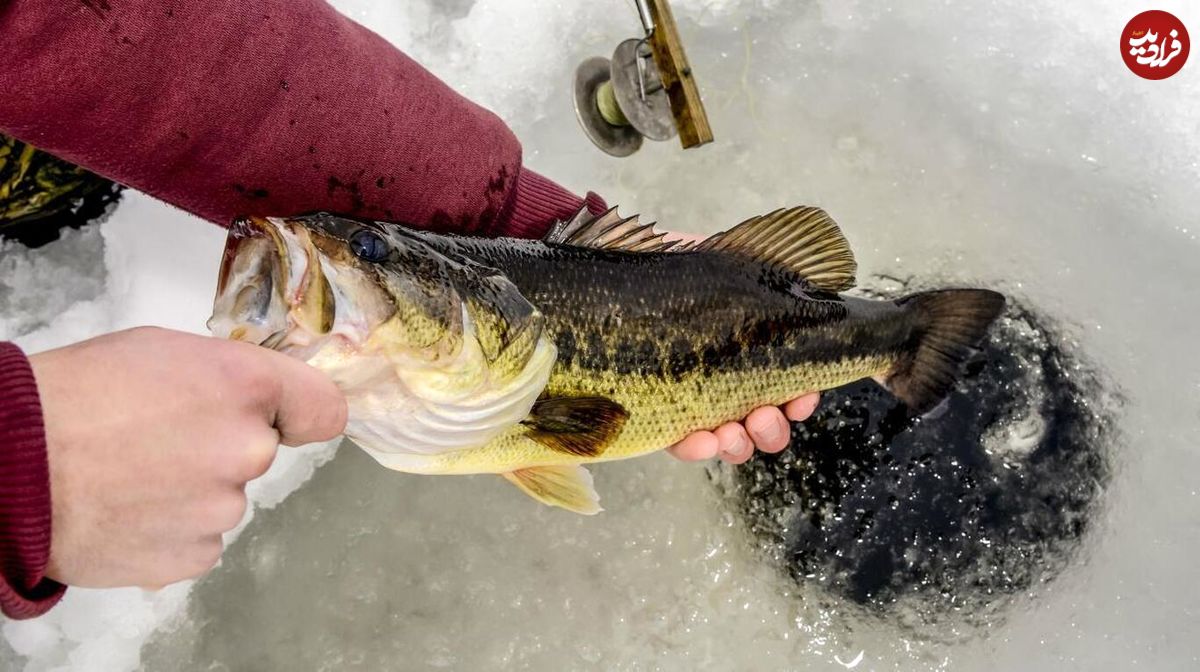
766,428
152,436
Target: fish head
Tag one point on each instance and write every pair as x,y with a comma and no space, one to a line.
300,284
434,351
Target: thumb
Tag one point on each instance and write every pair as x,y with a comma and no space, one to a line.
309,407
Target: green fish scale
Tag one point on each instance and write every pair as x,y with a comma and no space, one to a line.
681,341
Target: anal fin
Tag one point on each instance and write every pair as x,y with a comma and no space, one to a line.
567,487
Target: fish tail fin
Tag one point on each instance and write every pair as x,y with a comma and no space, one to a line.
950,324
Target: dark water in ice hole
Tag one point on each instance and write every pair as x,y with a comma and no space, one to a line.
944,517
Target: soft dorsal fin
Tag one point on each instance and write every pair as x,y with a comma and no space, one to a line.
803,240
581,426
608,232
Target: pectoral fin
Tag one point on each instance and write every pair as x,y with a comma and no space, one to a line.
581,426
569,487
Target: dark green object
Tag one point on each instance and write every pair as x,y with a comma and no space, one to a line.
41,194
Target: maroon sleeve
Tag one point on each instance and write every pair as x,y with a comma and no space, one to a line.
24,493
271,107
233,107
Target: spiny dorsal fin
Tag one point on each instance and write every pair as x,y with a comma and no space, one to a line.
608,232
803,240
569,487
581,426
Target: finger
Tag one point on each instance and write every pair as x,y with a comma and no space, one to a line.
183,562
800,408
695,447
734,443
768,428
201,558
257,457
309,407
242,454
226,511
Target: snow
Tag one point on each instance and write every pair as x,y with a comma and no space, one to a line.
148,264
996,143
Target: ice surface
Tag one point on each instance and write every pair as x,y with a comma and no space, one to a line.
147,264
1001,143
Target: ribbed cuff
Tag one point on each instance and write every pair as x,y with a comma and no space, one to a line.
24,493
538,202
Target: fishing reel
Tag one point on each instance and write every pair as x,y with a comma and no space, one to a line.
646,90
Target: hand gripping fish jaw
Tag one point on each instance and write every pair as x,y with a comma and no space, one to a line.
645,91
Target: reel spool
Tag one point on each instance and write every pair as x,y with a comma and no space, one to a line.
645,91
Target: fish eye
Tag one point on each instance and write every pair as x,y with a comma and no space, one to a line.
369,246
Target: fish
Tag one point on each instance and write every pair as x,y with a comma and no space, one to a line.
602,341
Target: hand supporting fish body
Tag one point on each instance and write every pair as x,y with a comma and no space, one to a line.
601,342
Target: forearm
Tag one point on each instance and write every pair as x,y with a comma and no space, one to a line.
24,493
272,107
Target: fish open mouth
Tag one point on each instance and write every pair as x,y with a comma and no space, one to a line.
253,232
271,289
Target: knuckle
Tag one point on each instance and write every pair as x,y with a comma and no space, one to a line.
245,366
227,511
197,560
761,422
263,459
731,433
330,419
339,411
255,459
205,556
297,430
254,374
320,423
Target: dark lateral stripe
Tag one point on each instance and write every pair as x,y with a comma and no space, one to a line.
676,357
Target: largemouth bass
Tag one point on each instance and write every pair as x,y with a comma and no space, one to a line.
603,341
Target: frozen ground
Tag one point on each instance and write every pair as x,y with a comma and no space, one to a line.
1000,143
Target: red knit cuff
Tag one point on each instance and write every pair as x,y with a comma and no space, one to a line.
24,493
537,203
